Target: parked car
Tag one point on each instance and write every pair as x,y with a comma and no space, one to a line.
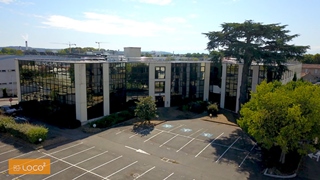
19,119
7,110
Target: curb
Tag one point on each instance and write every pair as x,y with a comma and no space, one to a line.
278,176
230,124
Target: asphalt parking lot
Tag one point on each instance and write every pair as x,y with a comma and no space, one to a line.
180,149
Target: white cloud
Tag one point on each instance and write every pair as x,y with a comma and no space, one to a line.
157,2
107,24
193,15
6,1
174,20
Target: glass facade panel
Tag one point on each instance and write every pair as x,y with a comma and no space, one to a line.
49,86
160,72
231,87
94,82
117,86
159,87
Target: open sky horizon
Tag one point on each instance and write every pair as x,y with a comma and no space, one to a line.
159,25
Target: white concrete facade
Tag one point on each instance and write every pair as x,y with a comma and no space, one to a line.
81,92
8,75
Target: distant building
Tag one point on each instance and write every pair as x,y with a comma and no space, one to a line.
311,72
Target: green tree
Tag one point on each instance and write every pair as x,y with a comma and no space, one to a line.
146,109
286,116
248,41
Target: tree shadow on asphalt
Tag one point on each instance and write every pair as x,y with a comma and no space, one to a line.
143,128
240,150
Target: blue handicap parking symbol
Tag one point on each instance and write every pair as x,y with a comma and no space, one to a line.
206,134
186,130
167,126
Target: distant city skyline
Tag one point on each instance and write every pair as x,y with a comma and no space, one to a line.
154,25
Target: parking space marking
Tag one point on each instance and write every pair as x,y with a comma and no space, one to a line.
58,159
208,145
222,145
153,136
17,156
51,153
168,140
195,132
10,150
175,128
247,155
3,146
188,142
168,176
90,171
74,164
120,170
122,131
145,172
227,149
139,133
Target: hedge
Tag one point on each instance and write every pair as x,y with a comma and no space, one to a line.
112,119
28,132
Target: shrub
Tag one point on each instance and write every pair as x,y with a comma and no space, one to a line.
213,109
35,133
4,121
28,132
112,119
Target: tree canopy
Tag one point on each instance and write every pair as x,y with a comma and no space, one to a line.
251,41
284,115
310,59
146,109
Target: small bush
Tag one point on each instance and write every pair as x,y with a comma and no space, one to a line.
213,109
4,121
35,133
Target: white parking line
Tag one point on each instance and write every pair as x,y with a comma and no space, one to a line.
227,149
121,169
17,156
195,132
169,140
168,176
74,164
50,153
122,131
208,145
176,127
10,150
185,144
145,172
153,136
3,146
247,155
139,133
90,171
190,140
58,159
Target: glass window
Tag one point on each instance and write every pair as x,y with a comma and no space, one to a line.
160,72
159,86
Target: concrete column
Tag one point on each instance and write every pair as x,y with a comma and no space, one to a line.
223,84
18,79
206,82
188,79
167,85
255,77
238,85
151,80
106,91
81,92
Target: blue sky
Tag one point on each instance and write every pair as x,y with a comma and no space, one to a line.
160,25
